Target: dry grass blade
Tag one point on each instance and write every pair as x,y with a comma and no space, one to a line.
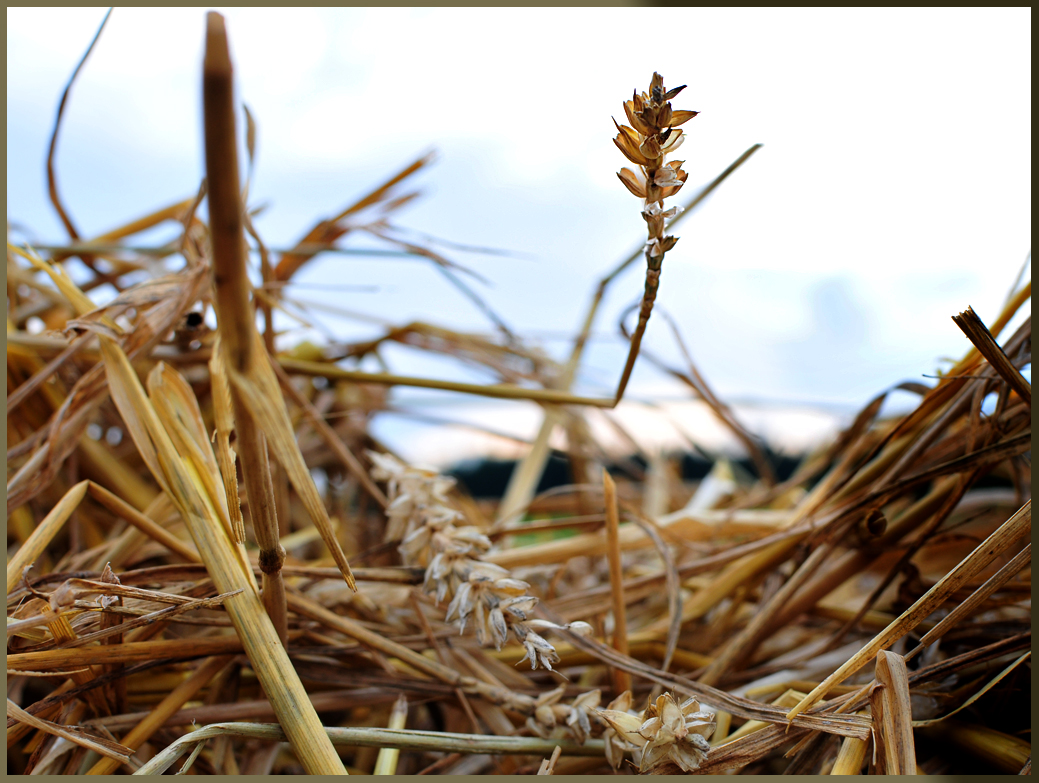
672,585
964,609
498,391
850,757
447,270
951,383
844,725
788,698
329,436
225,207
893,715
223,416
34,383
177,410
75,589
403,739
52,183
256,469
327,231
59,625
469,685
58,439
687,526
739,644
107,245
113,750
1008,754
144,620
43,534
123,509
128,652
749,567
255,709
1013,304
548,765
258,391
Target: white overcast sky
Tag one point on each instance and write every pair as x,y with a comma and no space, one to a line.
892,191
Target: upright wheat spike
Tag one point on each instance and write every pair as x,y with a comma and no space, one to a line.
651,138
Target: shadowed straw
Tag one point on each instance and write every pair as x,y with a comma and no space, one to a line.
1009,533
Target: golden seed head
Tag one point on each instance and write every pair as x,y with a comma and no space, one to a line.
653,134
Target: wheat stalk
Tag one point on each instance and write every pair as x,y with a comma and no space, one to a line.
647,144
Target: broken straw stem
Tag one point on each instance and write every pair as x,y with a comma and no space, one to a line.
235,318
621,678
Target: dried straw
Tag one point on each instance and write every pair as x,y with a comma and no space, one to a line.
787,608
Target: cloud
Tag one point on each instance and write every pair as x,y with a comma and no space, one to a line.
895,158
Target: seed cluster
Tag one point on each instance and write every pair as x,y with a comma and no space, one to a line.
653,134
479,592
663,732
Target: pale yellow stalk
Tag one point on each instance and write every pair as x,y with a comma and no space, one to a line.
386,762
33,547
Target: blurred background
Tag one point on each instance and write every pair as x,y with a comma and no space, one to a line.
892,190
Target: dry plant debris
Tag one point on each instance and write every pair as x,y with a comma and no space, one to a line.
215,567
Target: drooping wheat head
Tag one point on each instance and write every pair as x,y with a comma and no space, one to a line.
478,591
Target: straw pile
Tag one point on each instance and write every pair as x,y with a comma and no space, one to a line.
181,595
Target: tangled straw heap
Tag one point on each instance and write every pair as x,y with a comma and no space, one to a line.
479,591
654,135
